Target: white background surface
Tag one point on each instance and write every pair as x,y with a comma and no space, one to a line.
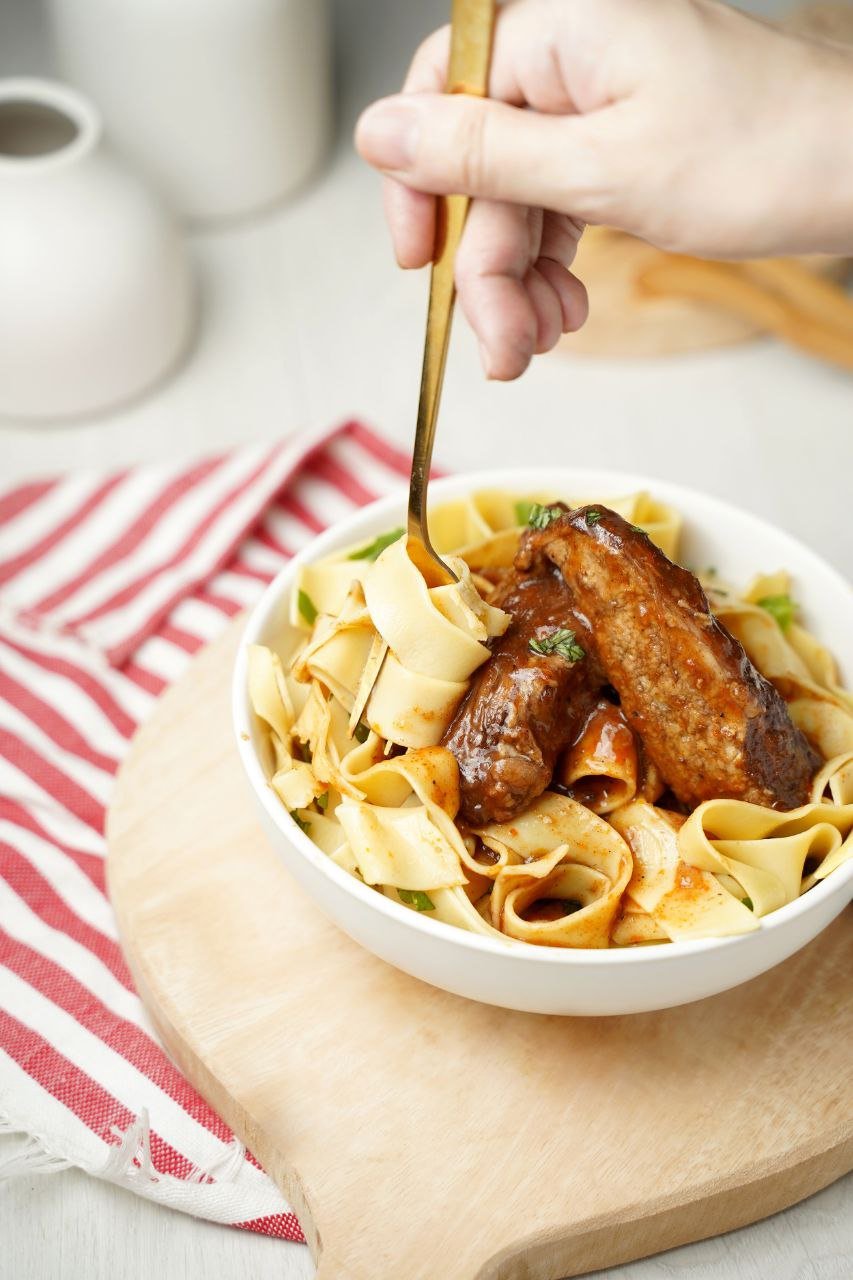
304,320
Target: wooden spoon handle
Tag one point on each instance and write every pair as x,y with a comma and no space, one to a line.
815,316
816,295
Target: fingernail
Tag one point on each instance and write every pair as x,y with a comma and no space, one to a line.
387,133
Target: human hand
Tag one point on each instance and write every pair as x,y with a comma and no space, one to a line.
682,121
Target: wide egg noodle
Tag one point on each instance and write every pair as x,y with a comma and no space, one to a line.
326,584
819,661
463,606
683,900
412,709
767,850
404,702
268,692
601,768
822,710
836,779
416,629
452,906
635,927
816,660
483,528
660,521
403,834
323,727
338,648
560,850
294,781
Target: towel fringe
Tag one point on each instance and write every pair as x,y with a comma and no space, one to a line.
128,1163
34,1157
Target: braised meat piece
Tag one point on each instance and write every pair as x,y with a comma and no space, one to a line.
523,707
709,721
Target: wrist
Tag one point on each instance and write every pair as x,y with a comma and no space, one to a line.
817,191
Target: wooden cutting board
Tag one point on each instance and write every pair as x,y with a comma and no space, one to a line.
424,1137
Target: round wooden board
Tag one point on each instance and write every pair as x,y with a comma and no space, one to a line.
418,1135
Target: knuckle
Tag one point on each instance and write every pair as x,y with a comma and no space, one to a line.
471,148
428,66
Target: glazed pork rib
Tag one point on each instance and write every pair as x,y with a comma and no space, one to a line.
522,708
709,721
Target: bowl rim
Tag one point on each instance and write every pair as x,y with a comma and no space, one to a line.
348,530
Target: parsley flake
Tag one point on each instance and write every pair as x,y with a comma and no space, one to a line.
638,528
541,516
300,821
781,607
323,802
592,517
748,903
523,509
415,898
362,732
560,641
307,607
374,549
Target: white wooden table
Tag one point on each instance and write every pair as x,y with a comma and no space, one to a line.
306,320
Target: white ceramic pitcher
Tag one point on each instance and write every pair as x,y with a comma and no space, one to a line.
226,103
96,297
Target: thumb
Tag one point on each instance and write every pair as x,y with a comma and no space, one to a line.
445,143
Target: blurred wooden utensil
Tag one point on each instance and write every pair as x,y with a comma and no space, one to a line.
648,303
780,296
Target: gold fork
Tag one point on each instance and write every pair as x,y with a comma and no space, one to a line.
472,26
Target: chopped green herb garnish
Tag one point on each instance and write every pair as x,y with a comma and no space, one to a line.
781,607
374,549
560,641
307,607
638,528
592,517
540,516
523,511
414,898
323,802
748,903
362,732
300,822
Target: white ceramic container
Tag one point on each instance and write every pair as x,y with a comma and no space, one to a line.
96,297
227,104
543,979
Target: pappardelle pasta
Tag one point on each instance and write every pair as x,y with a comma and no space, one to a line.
360,709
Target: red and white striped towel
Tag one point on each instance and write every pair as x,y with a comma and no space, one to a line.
108,584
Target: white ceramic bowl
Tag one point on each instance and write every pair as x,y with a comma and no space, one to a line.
543,979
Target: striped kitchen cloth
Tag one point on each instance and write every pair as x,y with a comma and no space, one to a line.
108,585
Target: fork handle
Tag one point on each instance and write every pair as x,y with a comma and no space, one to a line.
470,50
